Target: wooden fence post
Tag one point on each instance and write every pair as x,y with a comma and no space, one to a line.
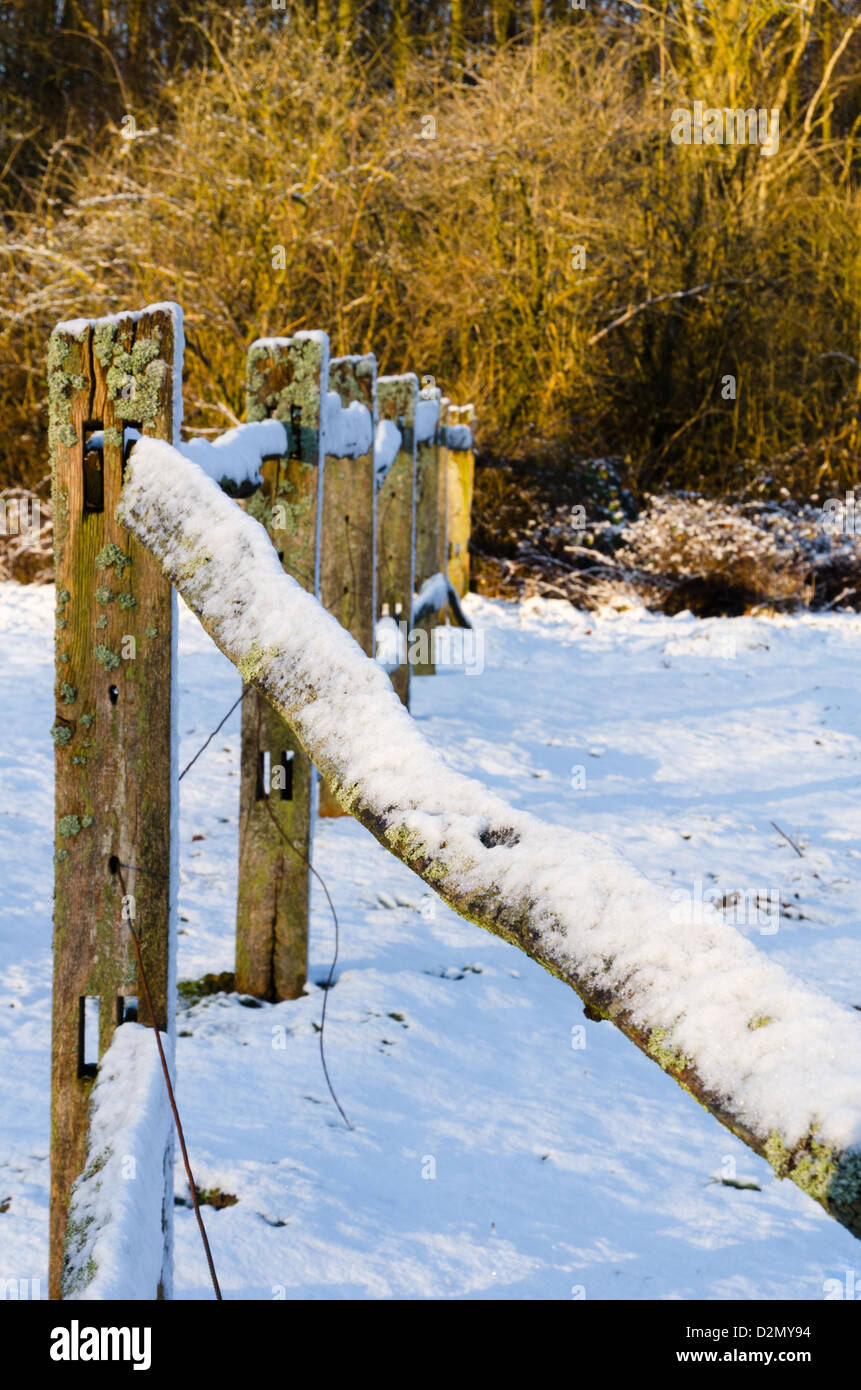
115,781
430,517
286,380
442,456
348,567
461,471
396,516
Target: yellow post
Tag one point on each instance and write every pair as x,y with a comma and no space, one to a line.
461,471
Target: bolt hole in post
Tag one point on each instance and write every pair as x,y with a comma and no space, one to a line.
113,694
114,864
88,1035
280,780
132,432
295,432
94,474
287,775
264,766
127,1008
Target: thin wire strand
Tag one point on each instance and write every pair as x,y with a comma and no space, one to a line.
319,878
136,941
172,1099
214,732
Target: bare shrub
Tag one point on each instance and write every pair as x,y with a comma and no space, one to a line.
26,535
715,555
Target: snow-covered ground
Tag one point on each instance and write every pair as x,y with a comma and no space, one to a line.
503,1146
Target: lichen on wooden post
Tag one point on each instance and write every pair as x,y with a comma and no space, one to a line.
348,570
396,516
286,380
114,787
430,526
461,472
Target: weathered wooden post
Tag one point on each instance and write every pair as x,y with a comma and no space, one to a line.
396,517
430,515
442,465
461,471
286,381
348,569
115,788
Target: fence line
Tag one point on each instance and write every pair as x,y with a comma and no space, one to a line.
311,466
135,515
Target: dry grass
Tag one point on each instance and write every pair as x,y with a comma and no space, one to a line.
284,186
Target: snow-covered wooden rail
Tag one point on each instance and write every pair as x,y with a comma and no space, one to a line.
325,452
116,1244
772,1059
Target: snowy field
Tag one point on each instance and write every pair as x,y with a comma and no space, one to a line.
504,1147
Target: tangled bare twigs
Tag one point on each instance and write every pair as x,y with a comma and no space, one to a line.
711,556
26,534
